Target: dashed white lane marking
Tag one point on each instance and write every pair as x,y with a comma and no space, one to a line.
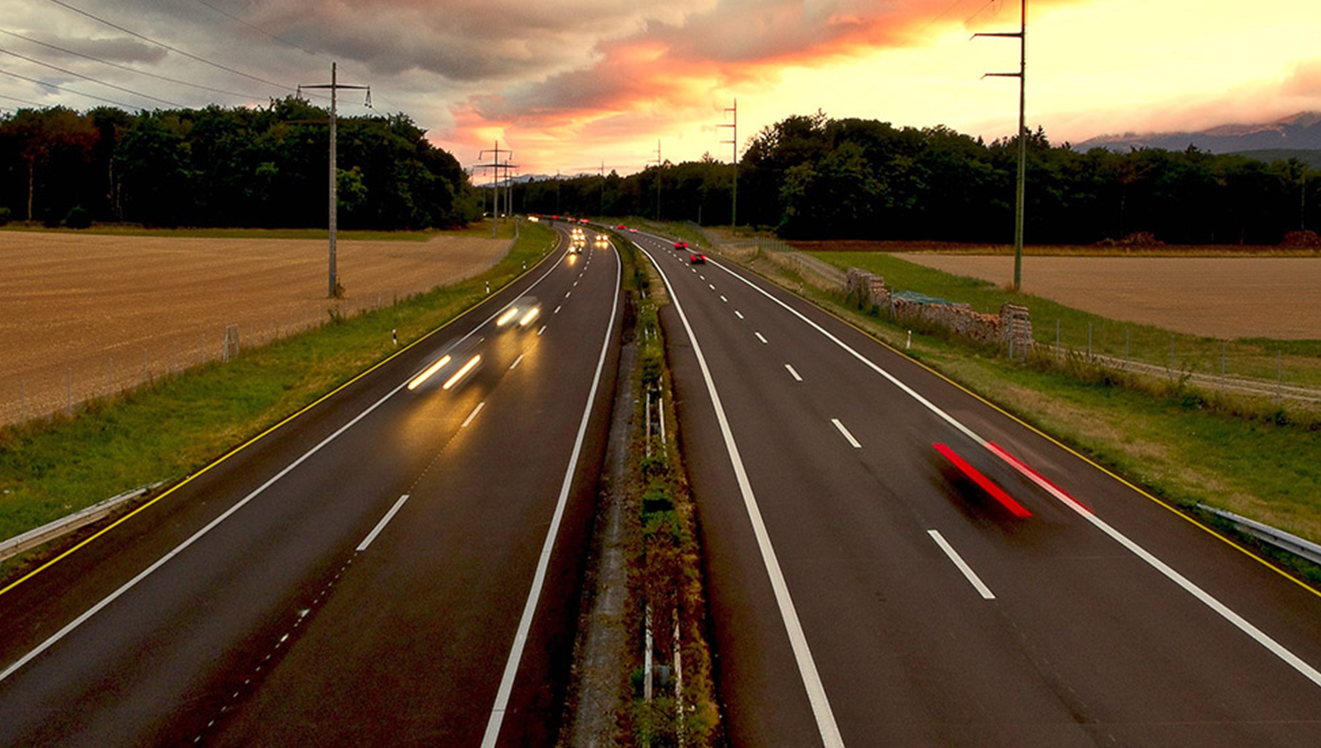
557,309
567,294
517,361
473,414
793,373
711,286
379,526
722,298
968,573
543,329
846,433
760,337
827,728
738,314
1224,611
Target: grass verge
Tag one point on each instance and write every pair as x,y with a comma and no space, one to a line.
176,426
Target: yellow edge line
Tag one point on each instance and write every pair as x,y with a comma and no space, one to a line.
264,434
1173,510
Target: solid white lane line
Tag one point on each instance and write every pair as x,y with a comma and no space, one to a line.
530,607
381,525
738,314
968,573
517,361
846,433
816,691
760,337
793,373
543,329
473,414
1256,634
722,298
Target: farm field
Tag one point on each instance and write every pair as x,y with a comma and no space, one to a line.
86,315
1221,297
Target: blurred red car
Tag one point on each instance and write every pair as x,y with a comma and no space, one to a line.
697,259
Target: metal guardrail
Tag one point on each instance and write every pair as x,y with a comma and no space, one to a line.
81,518
1279,538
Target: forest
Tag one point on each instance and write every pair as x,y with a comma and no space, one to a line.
251,167
812,176
805,176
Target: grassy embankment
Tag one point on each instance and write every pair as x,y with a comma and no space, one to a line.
175,426
1247,455
665,565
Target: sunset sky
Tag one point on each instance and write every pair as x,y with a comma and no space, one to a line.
569,85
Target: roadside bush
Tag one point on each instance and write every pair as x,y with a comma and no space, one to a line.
78,218
4,215
1308,239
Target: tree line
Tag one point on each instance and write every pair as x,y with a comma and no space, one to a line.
812,176
217,166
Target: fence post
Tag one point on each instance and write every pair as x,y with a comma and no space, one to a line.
1279,375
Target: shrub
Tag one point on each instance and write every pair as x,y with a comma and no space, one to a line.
78,218
4,216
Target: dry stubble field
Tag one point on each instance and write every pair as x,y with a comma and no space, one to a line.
1220,297
107,309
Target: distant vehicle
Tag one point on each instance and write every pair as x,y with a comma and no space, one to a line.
621,227
632,231
697,259
681,245
534,218
602,241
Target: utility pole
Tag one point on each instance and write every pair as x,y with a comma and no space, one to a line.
495,181
334,87
733,211
1021,75
659,164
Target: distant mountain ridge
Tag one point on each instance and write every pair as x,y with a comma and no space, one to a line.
1301,131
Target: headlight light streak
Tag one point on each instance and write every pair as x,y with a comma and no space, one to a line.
527,318
507,316
429,373
461,373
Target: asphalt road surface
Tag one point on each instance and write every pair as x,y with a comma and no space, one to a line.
396,566
893,562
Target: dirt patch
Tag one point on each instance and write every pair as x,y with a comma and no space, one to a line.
94,313
1222,297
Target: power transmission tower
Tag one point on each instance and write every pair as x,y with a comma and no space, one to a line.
1021,75
733,211
495,181
334,87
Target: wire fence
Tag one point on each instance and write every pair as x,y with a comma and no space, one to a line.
62,389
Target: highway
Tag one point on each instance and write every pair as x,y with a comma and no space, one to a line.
398,565
891,561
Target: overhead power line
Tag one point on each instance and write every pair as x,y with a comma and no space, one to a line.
176,50
129,69
259,29
22,101
90,78
68,90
